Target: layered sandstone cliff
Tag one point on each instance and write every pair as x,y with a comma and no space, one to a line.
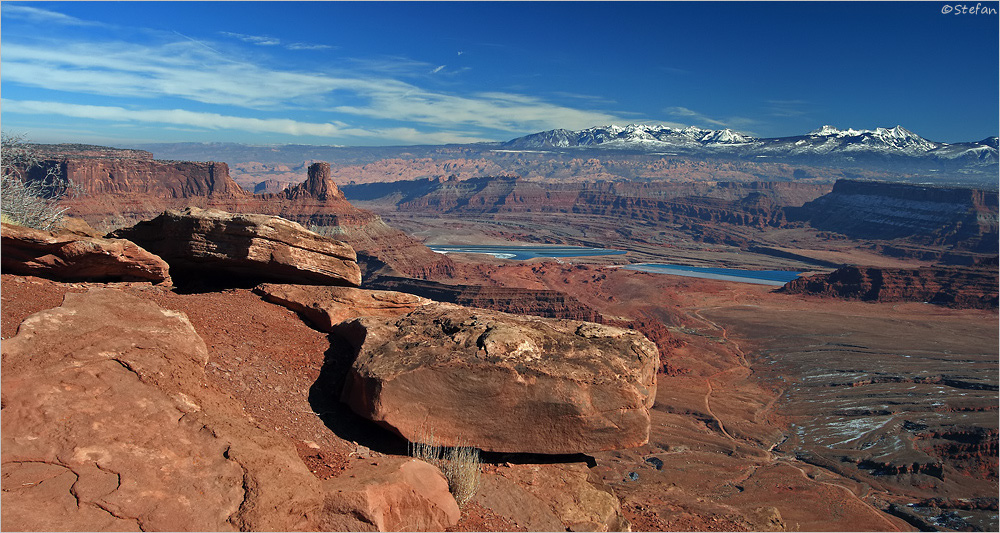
114,192
515,300
963,218
961,287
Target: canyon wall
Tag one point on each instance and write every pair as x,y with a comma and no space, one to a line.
757,204
960,287
117,192
964,218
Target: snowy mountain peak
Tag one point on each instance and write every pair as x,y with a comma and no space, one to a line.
726,136
896,147
825,130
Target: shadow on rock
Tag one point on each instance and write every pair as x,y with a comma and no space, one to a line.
324,398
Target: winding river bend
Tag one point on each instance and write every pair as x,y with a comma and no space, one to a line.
524,253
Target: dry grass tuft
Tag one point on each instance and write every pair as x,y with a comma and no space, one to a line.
460,465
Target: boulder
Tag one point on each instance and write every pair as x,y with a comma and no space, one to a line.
502,382
257,247
390,494
69,256
325,307
552,497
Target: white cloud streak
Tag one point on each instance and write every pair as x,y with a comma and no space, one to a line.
168,68
44,16
699,118
216,121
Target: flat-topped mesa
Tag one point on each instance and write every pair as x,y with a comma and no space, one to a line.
95,176
959,217
959,287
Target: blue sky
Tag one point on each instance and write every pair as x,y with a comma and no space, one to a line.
380,73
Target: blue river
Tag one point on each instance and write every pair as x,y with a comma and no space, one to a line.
523,253
762,277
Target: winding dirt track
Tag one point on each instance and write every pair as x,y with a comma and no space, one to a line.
771,457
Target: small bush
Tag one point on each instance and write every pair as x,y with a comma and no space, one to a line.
27,202
460,465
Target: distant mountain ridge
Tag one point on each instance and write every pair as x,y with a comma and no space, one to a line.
864,153
828,142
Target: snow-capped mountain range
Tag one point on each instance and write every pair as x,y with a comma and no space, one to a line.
896,147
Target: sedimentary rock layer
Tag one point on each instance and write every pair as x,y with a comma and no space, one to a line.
960,217
74,257
260,247
546,303
109,424
960,287
117,192
501,382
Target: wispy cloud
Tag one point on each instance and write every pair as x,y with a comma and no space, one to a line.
307,46
193,71
699,119
180,69
787,108
260,40
592,99
216,121
44,16
209,89
266,40
496,111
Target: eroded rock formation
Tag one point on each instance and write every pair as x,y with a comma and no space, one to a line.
76,257
109,424
75,458
757,204
518,301
960,287
118,190
474,377
326,307
501,382
258,247
962,218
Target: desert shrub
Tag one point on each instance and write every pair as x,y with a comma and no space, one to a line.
25,201
460,465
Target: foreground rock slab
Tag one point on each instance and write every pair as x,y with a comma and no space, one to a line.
552,497
390,494
258,247
502,382
70,256
108,424
326,307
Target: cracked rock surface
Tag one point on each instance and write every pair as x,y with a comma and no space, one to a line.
501,382
109,424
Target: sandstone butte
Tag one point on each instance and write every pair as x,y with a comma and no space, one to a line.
121,191
256,246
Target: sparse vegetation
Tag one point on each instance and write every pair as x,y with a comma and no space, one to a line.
26,201
459,464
